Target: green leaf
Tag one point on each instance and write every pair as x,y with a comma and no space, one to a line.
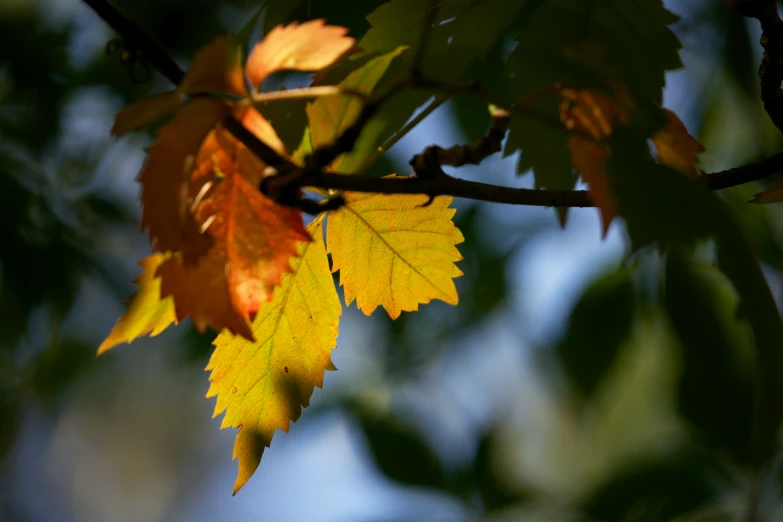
60,365
662,206
717,381
329,116
600,324
658,489
402,453
632,38
461,33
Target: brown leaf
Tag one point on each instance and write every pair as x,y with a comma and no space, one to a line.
216,68
589,158
676,148
592,114
145,111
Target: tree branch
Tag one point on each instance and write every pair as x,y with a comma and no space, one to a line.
146,48
771,69
312,174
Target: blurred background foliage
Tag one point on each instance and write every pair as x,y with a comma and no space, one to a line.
572,382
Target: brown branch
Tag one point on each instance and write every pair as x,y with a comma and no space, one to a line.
139,42
429,162
446,185
771,69
313,176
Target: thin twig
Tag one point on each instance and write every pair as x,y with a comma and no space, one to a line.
439,100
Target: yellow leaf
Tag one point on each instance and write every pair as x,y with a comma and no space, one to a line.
263,385
395,252
145,111
310,46
330,116
676,148
147,313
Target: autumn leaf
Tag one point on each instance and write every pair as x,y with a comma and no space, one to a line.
165,174
252,240
200,291
257,237
675,147
216,68
263,385
147,313
393,251
591,115
310,46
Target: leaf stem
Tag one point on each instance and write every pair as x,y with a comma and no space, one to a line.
305,92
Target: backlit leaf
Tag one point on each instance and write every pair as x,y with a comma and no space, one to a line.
593,114
147,313
216,68
329,116
310,46
676,148
145,112
200,291
636,42
257,237
252,240
166,172
393,251
263,385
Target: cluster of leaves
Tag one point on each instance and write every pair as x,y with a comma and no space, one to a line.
583,87
232,259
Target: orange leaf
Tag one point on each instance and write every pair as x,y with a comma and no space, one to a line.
253,239
257,237
589,158
201,291
676,148
216,67
145,111
310,46
592,113
165,176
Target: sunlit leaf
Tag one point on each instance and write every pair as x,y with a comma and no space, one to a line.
145,112
330,116
310,46
675,147
216,68
147,313
393,251
263,385
165,175
200,291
